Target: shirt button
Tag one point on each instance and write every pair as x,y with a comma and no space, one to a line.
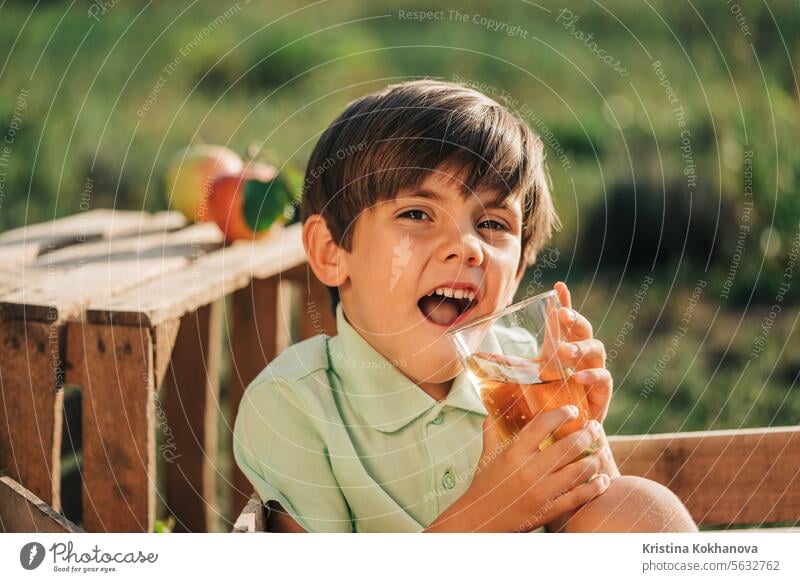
448,480
439,418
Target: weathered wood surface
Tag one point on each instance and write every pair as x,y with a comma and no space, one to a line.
747,476
118,303
24,244
209,278
23,512
60,284
31,407
192,404
115,369
37,298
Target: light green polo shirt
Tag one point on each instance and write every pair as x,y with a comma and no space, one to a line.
345,442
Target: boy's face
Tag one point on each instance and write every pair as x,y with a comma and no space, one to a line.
426,239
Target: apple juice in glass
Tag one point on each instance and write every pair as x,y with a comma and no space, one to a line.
511,358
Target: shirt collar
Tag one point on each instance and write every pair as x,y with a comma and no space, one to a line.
384,397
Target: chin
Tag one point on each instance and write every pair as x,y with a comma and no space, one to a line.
441,364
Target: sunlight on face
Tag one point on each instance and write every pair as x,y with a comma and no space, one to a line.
426,239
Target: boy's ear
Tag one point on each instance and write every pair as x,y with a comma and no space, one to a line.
326,258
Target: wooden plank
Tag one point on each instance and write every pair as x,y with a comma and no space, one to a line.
316,315
23,512
256,339
192,406
115,369
748,476
164,337
59,285
24,244
31,406
208,279
253,517
8,282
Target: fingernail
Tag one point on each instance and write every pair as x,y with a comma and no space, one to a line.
606,452
605,480
573,410
571,315
571,349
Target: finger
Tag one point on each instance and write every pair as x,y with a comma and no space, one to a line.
565,450
598,384
564,297
595,376
574,325
544,425
582,470
577,496
548,353
599,387
584,354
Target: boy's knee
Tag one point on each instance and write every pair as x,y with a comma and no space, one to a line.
633,504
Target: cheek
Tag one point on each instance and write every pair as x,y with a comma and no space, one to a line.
505,263
401,263
388,273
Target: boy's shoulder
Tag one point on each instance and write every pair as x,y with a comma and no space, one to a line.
292,390
298,361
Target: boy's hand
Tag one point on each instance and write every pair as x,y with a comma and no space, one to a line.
517,487
586,354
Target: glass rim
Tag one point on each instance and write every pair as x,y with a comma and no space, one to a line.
510,309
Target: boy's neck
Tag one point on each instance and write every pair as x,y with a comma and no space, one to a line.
437,391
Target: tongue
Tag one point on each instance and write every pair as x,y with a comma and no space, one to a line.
441,310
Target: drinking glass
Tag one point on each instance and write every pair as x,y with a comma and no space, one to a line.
511,358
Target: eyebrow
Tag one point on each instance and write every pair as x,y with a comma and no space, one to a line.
434,195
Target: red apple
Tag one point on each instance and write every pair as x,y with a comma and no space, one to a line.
191,174
226,202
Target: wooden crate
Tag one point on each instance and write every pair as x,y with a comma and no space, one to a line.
130,308
22,512
731,478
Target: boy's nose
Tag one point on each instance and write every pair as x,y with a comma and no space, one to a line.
462,246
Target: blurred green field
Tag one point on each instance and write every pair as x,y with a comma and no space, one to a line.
104,98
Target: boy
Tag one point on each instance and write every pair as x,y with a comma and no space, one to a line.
423,204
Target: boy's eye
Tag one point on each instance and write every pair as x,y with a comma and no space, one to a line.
415,214
494,225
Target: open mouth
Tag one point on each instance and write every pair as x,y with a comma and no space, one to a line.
447,306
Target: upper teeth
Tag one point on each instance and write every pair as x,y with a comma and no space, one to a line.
454,293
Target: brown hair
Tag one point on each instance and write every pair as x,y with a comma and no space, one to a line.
391,139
